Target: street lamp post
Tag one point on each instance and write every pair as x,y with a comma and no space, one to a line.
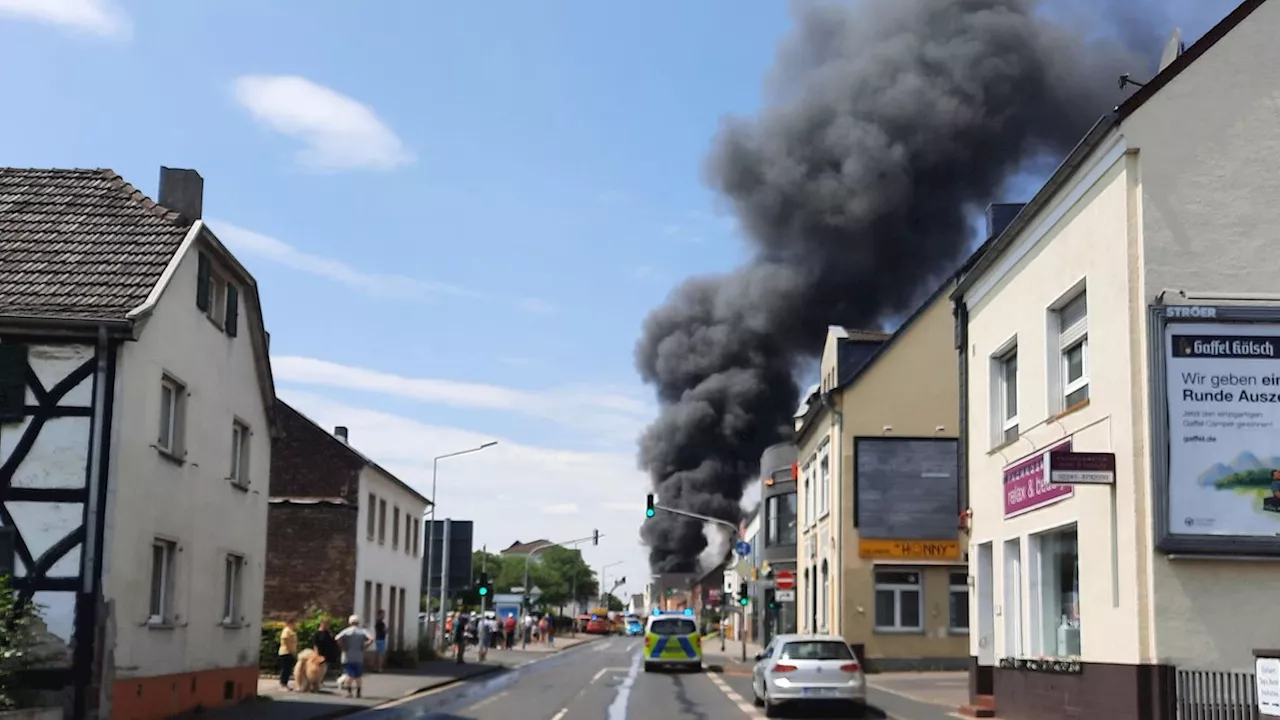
431,537
604,600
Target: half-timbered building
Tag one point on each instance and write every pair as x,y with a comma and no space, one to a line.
136,406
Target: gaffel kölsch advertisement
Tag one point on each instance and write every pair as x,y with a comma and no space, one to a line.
1224,428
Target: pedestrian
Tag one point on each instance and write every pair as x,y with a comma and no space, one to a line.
380,642
460,636
486,635
354,641
509,630
551,630
288,652
324,644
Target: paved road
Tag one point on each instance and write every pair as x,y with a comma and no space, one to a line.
605,681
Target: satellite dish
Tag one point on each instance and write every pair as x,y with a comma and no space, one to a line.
1172,49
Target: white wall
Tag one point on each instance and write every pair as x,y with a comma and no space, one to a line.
189,502
1090,242
391,563
58,459
1208,151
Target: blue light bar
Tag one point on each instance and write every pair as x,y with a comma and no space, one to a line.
688,611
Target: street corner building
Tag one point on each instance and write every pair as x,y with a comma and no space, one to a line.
136,410
1119,343
330,501
881,561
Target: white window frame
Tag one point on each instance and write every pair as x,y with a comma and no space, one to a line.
233,586
169,435
240,436
217,312
824,478
1006,426
958,584
898,589
160,610
1073,332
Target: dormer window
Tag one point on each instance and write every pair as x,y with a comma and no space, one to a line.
217,297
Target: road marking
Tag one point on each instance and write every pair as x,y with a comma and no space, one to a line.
560,714
735,698
618,708
486,701
602,671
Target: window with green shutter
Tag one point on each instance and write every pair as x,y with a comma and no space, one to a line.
232,320
204,283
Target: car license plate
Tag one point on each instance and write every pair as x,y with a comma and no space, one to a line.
819,692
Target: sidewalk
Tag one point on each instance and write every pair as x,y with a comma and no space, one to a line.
948,689
729,661
275,703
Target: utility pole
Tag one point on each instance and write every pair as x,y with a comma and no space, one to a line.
444,581
484,568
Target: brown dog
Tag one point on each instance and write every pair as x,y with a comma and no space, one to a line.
309,671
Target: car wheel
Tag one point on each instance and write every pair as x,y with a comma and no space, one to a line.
648,667
771,710
755,696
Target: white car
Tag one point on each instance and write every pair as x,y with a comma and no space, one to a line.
808,670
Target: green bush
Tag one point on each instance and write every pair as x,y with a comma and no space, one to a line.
308,624
17,642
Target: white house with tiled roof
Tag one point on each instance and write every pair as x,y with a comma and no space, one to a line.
136,410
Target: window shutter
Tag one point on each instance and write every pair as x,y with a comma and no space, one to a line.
1073,322
233,309
202,283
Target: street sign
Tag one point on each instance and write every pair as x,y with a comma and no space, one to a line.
1081,468
785,596
743,568
744,548
785,580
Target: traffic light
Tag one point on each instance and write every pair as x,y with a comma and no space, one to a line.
743,597
649,511
771,599
595,537
482,588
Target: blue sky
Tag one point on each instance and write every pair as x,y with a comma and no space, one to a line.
458,212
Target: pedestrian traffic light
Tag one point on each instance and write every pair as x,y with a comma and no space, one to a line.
483,586
649,511
595,537
743,595
771,599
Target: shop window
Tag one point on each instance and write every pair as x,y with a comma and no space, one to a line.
1012,602
1058,604
959,601
899,601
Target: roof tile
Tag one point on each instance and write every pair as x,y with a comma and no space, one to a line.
80,243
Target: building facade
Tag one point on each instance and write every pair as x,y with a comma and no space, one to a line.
879,450
331,501
1119,314
779,524
138,412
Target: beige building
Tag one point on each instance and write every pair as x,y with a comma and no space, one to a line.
1130,311
879,496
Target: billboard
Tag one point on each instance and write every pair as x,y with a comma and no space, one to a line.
906,488
460,546
1216,428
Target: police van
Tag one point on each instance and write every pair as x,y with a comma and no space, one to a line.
671,639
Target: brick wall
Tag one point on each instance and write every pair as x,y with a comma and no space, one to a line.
307,461
311,559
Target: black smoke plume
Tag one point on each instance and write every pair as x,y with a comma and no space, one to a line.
888,122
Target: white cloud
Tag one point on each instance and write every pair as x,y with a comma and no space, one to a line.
243,241
340,132
511,491
611,417
99,17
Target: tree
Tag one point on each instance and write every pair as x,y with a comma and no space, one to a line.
615,604
18,641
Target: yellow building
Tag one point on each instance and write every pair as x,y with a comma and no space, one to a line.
885,509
